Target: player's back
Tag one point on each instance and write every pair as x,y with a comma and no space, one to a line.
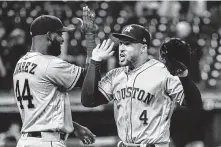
40,104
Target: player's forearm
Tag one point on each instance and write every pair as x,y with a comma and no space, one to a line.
90,93
192,93
75,124
77,127
90,43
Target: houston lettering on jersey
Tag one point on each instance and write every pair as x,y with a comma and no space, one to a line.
144,100
135,93
27,67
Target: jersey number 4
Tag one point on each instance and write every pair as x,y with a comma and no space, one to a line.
25,95
143,117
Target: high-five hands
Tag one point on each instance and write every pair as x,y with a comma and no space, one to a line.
103,51
87,24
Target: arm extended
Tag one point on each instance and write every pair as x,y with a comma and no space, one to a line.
192,94
90,95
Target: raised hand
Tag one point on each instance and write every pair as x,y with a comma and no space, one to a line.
89,28
103,51
87,24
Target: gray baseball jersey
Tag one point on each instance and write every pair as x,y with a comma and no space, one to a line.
41,83
144,100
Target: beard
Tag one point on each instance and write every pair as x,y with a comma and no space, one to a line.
124,61
55,48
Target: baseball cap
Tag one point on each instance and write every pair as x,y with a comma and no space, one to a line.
47,23
134,33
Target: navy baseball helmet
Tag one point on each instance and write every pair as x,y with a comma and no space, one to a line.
134,33
176,49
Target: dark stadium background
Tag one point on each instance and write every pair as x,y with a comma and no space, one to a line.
197,22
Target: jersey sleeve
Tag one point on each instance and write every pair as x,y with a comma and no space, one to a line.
105,85
174,89
63,73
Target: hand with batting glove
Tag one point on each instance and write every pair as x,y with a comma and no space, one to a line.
89,29
175,54
84,134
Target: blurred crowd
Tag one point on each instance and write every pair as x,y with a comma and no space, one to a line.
196,22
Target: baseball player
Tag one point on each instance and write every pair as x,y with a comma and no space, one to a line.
143,91
41,81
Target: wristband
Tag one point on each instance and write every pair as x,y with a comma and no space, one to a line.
90,43
97,64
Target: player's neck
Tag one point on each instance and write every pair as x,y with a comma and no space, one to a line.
138,63
38,46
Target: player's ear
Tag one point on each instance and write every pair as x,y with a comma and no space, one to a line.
48,35
144,48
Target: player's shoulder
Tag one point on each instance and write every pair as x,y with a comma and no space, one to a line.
54,63
117,71
158,64
45,60
160,68
48,60
54,59
162,72
36,56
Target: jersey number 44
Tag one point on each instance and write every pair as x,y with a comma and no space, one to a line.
24,94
